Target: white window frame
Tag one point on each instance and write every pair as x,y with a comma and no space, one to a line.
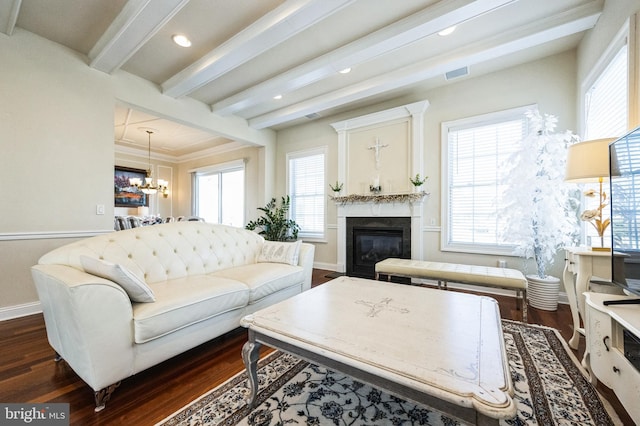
216,169
622,39
475,121
315,237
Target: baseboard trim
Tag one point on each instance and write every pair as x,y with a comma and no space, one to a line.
325,266
17,311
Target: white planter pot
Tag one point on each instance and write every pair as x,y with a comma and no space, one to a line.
543,293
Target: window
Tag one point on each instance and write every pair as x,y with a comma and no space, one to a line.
606,102
218,193
606,113
305,176
473,151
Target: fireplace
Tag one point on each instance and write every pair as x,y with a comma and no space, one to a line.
372,239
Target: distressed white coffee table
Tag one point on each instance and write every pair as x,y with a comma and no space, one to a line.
438,348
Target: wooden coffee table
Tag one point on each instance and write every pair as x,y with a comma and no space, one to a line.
438,348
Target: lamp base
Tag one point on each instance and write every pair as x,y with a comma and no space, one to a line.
600,248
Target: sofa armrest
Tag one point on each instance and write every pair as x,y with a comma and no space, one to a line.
89,322
305,259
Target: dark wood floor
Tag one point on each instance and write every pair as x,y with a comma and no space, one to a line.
28,372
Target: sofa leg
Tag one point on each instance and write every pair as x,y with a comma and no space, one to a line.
103,395
57,358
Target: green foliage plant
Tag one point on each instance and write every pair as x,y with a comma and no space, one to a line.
417,180
337,187
275,224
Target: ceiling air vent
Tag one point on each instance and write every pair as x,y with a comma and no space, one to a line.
460,72
312,115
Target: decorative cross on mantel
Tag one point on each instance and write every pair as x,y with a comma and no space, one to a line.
377,147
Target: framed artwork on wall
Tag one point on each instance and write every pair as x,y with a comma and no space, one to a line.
125,194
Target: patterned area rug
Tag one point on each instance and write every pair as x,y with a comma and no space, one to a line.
550,389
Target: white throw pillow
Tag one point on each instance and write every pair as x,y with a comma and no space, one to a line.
280,252
137,289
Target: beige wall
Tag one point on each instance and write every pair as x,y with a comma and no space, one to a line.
549,82
56,140
57,153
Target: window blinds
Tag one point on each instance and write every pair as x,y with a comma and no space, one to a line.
606,115
307,191
606,100
476,153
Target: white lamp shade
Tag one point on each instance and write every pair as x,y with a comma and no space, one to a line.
143,211
588,161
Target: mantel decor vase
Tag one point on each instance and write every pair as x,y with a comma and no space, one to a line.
543,292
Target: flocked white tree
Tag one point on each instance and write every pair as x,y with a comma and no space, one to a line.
540,210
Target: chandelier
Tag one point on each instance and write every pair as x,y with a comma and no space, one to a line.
148,187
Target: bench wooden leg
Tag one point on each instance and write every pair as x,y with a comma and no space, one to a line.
521,303
378,276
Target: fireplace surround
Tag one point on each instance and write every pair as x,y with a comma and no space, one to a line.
402,130
372,239
410,212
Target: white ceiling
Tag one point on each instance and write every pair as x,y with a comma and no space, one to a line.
246,51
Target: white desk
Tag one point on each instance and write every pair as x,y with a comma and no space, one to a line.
604,356
582,265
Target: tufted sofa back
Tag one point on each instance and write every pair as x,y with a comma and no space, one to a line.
160,252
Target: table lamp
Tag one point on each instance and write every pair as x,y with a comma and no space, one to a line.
589,162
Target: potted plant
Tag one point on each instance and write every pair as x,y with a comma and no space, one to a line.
418,181
540,213
275,224
336,188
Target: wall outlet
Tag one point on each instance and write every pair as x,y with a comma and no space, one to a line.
432,221
99,208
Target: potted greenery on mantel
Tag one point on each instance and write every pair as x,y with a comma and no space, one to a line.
540,213
275,224
417,182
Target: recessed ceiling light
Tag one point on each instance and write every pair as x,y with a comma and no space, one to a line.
345,71
181,40
276,97
447,31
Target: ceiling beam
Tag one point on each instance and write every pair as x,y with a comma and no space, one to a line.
435,18
272,29
136,23
570,22
9,10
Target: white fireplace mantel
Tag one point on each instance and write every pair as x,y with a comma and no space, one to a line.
369,208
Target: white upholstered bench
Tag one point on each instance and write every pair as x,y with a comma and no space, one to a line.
510,279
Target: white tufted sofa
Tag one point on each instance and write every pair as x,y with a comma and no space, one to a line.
204,277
